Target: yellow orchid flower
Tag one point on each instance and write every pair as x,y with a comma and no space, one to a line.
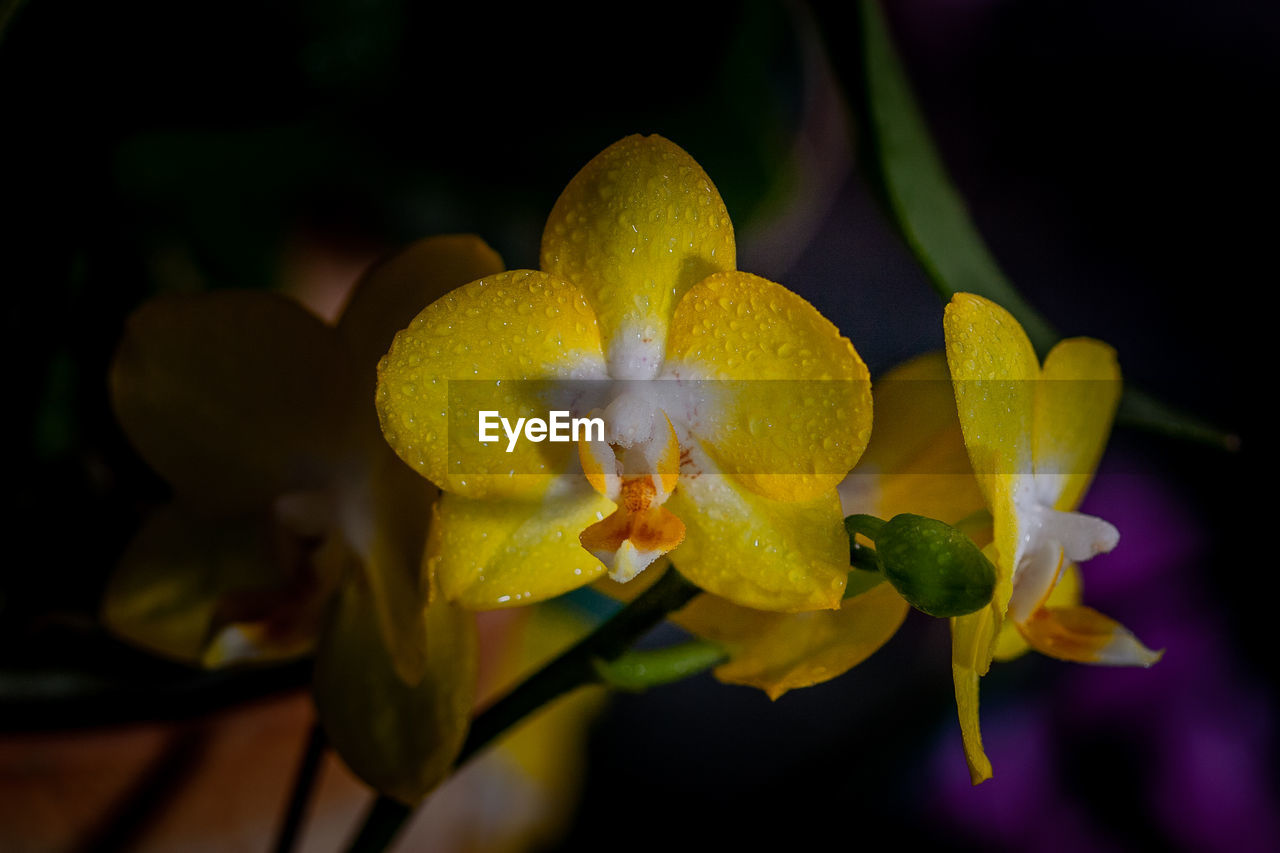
294,526
736,479
915,462
1034,435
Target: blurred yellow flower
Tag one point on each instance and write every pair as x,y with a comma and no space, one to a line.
1034,436
735,478
260,417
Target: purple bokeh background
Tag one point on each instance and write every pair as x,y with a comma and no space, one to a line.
1203,726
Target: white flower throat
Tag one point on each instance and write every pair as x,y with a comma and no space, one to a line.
1046,535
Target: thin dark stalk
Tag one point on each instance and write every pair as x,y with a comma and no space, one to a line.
572,669
303,785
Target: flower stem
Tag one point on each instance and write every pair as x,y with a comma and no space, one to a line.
303,784
576,667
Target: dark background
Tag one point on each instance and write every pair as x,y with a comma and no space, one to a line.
1115,156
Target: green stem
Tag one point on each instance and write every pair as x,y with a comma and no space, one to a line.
866,525
862,580
640,670
382,823
574,668
865,567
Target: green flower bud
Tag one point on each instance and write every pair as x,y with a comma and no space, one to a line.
934,566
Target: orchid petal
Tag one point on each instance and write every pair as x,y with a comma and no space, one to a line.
401,738
641,530
791,400
916,461
1037,576
777,652
993,368
488,339
758,552
1084,635
491,553
213,592
392,292
234,396
1010,643
635,229
972,639
385,521
1076,401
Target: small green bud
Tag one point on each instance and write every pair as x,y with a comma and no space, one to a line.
934,566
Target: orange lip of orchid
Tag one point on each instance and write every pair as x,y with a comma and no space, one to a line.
638,292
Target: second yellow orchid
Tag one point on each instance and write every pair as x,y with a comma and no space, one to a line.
730,463
1034,435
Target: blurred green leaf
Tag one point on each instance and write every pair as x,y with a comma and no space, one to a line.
925,204
55,419
931,215
641,669
1139,409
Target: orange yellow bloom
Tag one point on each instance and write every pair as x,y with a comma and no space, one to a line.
294,525
685,358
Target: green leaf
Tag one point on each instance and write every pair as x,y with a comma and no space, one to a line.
925,204
931,215
638,670
1139,409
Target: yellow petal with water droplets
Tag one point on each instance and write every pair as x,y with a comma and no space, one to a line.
972,638
486,346
1083,635
993,369
635,229
755,551
1075,404
1010,644
400,738
789,404
234,397
495,553
392,292
777,652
